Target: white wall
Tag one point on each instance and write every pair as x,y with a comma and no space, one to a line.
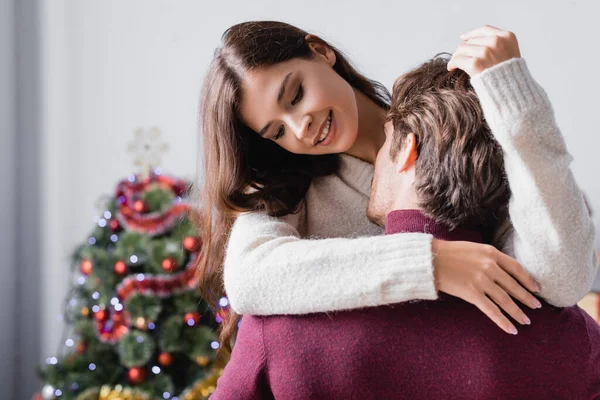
112,66
8,293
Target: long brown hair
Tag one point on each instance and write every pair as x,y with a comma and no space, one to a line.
241,170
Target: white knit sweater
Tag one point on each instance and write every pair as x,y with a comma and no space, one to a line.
330,257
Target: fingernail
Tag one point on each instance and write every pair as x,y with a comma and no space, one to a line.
526,320
536,287
536,303
513,330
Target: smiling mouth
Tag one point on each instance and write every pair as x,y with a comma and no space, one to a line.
325,131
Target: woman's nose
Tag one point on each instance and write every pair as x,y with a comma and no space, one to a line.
301,127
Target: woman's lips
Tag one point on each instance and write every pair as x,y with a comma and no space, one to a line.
329,138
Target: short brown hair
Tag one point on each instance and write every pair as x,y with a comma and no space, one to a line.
459,172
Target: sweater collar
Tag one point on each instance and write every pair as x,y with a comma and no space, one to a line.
357,173
404,221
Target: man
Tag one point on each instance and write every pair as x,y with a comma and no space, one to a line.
440,171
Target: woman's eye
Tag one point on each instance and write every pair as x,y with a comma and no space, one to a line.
298,96
280,132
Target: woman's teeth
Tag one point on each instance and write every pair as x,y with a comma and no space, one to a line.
325,130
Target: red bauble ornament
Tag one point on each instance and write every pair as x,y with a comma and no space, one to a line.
191,243
121,267
136,375
117,317
139,206
165,359
85,267
191,316
115,226
101,315
81,347
180,189
169,264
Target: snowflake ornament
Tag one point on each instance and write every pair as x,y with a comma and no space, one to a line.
147,149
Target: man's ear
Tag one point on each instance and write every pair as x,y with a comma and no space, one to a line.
320,49
407,156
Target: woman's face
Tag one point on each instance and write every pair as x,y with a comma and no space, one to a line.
302,105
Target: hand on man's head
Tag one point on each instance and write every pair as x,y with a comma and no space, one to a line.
483,48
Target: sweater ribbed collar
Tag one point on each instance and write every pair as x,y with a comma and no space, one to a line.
403,221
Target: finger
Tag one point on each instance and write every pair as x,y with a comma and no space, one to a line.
513,288
468,64
516,270
471,50
504,301
486,30
493,312
488,41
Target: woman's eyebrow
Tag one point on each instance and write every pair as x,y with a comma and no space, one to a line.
264,130
282,88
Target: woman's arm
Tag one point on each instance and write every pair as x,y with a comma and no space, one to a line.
270,269
553,235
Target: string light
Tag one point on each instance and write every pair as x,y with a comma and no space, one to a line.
69,342
114,238
119,307
92,240
107,214
133,259
223,302
92,367
95,295
102,223
156,370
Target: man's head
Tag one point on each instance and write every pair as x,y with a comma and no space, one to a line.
439,155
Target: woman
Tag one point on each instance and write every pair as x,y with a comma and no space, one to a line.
290,132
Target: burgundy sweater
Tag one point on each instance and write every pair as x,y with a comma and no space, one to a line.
442,349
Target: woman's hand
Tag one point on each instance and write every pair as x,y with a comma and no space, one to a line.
483,48
485,277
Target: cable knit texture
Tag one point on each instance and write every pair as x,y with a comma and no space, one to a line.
329,257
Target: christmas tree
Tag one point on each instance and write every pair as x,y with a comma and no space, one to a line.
136,326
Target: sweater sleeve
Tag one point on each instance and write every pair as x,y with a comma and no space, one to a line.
270,269
553,234
244,377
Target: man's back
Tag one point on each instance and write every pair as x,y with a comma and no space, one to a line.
444,348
